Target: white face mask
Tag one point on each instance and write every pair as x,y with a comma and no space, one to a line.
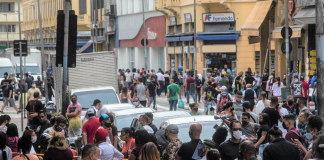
237,134
135,103
34,85
312,108
34,139
97,107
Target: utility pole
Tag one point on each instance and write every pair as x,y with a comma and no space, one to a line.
287,50
144,34
320,57
92,30
7,29
42,49
22,98
195,52
65,56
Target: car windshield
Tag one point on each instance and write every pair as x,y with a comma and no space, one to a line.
124,121
86,98
3,70
207,131
34,70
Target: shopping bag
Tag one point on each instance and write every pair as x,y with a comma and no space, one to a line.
181,104
75,123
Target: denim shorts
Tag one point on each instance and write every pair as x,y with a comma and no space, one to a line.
209,105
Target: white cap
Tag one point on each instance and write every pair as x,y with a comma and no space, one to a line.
223,88
91,111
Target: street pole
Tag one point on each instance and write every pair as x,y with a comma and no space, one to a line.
65,56
195,52
144,35
91,26
320,57
7,30
96,25
43,56
22,98
287,50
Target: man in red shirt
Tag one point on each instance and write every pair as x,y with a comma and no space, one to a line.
189,80
292,133
90,127
305,87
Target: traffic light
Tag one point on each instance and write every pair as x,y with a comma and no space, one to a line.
60,37
72,39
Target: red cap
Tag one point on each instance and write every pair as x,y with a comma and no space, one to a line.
101,134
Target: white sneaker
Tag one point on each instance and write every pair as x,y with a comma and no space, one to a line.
7,107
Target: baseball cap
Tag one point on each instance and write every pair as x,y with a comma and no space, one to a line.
96,101
246,104
223,88
101,134
172,128
91,111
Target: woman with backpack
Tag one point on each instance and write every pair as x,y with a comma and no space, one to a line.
12,134
229,112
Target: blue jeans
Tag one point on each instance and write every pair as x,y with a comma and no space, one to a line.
161,88
261,149
257,91
315,101
173,104
154,101
188,94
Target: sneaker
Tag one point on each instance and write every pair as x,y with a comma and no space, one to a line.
7,107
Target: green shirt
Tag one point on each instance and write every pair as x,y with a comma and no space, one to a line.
223,82
173,89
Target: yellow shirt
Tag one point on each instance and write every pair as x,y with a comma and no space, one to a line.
31,92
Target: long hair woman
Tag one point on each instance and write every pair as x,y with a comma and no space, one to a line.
263,133
25,145
5,151
276,87
149,152
141,138
58,148
229,112
124,96
126,135
263,103
12,134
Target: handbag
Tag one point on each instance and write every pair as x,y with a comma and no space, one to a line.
75,123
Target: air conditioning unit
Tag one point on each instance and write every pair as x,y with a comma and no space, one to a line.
185,49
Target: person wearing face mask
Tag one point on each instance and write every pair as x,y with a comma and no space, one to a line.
24,145
292,133
38,82
238,104
152,87
107,151
33,107
187,150
128,76
228,150
99,107
247,109
229,112
297,89
143,123
74,114
171,133
269,86
249,129
8,93
4,121
58,124
247,151
263,103
279,148
150,121
311,107
137,103
33,135
290,105
89,128
194,109
90,152
132,88
257,84
32,90
126,134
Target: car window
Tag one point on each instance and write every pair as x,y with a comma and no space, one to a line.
207,131
124,121
106,96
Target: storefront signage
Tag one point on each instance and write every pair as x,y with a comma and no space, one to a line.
173,21
218,17
187,17
83,33
87,59
151,34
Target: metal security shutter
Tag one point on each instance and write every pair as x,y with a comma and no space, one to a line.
83,7
218,27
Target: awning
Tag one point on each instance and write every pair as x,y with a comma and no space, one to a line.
172,39
306,16
276,33
81,44
219,32
187,38
217,37
255,19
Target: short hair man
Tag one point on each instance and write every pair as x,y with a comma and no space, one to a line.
150,121
247,109
171,132
137,103
74,114
33,107
302,119
247,151
143,122
230,148
90,152
187,150
292,133
89,128
249,128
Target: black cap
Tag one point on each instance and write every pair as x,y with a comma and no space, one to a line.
246,104
96,101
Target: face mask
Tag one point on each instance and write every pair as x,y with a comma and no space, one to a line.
256,74
195,109
34,139
290,102
239,100
309,136
73,100
232,109
149,122
38,79
244,122
135,103
34,85
237,134
108,125
312,108
123,138
284,126
97,107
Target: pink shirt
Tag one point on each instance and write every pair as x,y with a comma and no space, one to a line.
75,107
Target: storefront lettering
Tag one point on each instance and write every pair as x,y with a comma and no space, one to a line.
218,17
87,59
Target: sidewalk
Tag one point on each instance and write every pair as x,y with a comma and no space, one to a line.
15,118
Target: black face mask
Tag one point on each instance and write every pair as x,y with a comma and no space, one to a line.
195,109
284,126
290,102
232,109
245,123
108,125
38,79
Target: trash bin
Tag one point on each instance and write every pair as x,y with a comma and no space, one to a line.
284,93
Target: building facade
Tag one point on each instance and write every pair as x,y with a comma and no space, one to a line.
9,24
228,32
130,34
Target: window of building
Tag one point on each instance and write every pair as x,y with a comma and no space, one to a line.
218,26
10,28
171,29
189,43
171,44
179,28
83,7
192,27
219,42
7,7
179,43
186,27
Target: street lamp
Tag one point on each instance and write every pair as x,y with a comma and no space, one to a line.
33,5
7,29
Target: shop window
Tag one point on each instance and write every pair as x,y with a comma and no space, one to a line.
171,29
179,28
179,43
171,44
189,43
82,7
186,27
219,42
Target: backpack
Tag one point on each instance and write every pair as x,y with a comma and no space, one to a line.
224,99
301,138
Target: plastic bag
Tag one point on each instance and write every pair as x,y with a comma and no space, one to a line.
181,104
75,123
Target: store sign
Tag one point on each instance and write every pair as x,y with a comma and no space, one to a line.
151,34
218,17
84,34
173,21
187,17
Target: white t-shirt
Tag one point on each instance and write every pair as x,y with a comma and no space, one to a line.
8,151
277,89
128,76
